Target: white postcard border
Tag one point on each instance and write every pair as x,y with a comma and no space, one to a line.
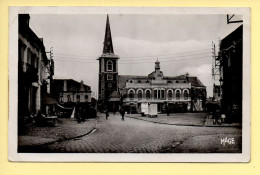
127,157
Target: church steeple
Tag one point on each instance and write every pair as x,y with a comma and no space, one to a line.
108,45
108,69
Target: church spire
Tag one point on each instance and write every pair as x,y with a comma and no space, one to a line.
108,45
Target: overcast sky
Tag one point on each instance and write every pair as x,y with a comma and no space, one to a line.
182,43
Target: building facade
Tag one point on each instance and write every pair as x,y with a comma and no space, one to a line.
70,91
216,93
231,72
72,96
35,70
173,92
179,93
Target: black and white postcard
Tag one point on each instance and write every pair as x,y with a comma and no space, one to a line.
129,84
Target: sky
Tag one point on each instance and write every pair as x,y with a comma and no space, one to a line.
182,43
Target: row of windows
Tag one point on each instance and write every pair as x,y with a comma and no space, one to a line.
139,81
69,98
159,94
147,81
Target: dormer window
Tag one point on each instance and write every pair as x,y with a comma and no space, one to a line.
131,81
147,81
169,81
177,81
139,81
109,65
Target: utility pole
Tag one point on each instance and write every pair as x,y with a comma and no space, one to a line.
215,63
51,52
230,17
50,67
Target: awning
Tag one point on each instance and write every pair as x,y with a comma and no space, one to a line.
49,101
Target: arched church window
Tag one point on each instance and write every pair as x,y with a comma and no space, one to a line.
186,94
109,65
178,94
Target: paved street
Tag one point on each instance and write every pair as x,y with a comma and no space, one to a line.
132,135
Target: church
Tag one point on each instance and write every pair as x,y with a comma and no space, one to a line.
179,93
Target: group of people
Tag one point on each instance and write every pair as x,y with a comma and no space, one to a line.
122,112
80,114
218,117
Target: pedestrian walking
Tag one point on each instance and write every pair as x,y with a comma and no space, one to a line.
78,115
167,110
107,114
114,109
122,112
216,117
223,118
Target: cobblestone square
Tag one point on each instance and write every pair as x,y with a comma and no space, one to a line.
138,136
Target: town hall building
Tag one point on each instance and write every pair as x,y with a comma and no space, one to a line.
179,93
